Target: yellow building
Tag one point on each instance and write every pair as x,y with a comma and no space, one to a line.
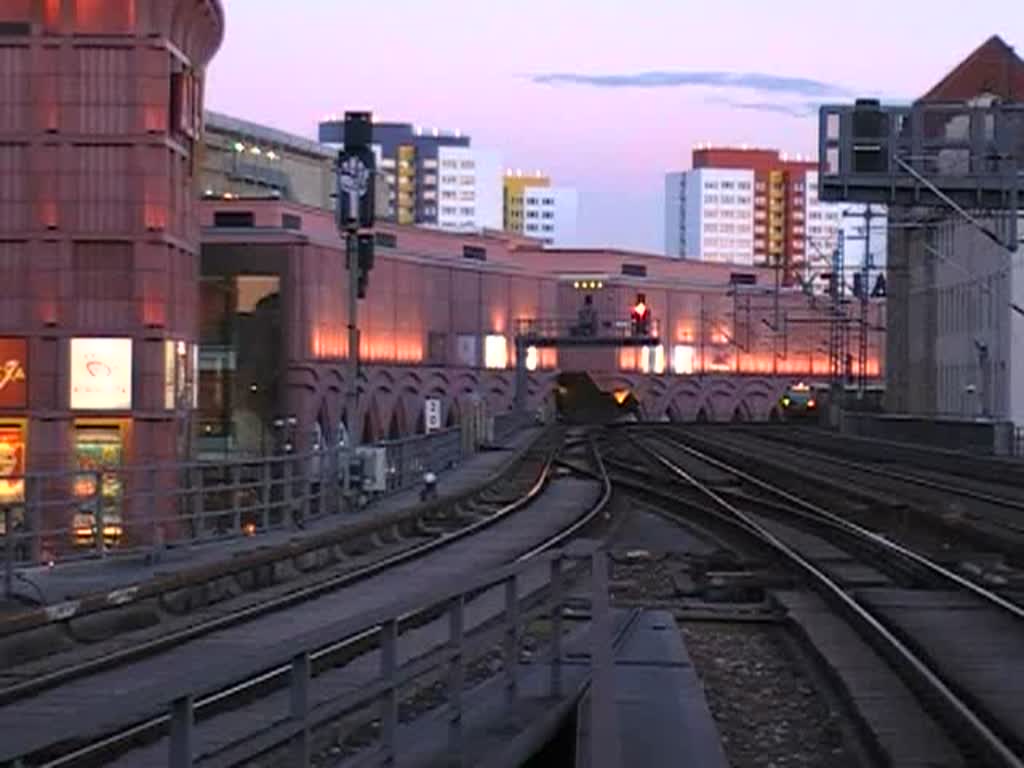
514,188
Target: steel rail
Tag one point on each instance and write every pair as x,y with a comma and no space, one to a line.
149,727
885,640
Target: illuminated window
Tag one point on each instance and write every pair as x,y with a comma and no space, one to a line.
495,351
683,356
532,358
652,359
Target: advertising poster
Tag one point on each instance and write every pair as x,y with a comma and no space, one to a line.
101,374
13,373
12,464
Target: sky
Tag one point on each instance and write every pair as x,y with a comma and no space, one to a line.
603,95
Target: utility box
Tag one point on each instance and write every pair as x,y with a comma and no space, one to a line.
375,468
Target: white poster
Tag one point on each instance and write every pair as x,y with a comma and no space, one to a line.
465,350
101,374
432,414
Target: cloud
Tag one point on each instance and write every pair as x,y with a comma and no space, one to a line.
753,81
788,108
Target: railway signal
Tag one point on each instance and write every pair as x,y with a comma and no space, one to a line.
641,316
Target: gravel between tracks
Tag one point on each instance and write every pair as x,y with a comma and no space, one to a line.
767,709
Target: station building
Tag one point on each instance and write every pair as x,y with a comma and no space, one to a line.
440,319
955,340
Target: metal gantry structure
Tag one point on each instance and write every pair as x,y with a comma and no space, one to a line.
963,158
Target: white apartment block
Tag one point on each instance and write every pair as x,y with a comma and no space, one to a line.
469,189
709,215
551,214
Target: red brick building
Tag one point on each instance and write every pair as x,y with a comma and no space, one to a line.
100,123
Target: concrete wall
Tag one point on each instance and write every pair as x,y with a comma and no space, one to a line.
983,437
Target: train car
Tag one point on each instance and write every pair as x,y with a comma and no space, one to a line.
800,402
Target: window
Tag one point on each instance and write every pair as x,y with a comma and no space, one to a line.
728,200
760,215
548,215
448,210
474,252
531,214
291,221
760,186
448,194
429,164
234,219
449,179
710,185
743,200
385,240
760,201
467,180
743,185
430,194
711,213
760,229
467,210
531,227
449,164
467,165
634,270
548,228
710,199
467,194
728,185
430,179
495,351
709,227
549,201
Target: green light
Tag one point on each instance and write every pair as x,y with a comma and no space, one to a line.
785,402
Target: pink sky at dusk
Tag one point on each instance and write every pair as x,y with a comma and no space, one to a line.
470,65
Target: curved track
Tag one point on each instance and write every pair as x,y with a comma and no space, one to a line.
958,709
95,751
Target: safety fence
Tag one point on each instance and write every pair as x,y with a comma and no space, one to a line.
102,512
475,615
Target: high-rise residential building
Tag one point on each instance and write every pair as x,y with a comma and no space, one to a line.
748,206
514,187
710,215
410,161
536,209
469,193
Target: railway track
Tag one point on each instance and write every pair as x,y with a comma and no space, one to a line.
856,573
953,518
488,510
435,528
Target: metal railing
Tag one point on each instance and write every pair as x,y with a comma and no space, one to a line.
482,614
122,511
562,328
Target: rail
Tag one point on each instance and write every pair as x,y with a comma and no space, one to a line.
567,328
918,672
311,707
306,662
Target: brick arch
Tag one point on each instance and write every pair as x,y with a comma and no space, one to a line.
719,399
759,396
